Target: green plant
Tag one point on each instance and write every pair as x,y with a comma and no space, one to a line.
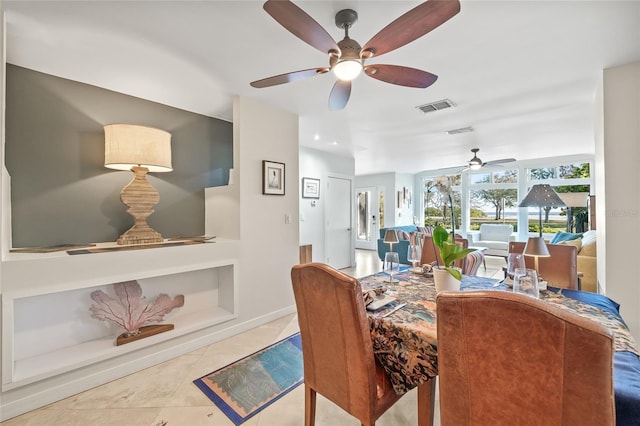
449,250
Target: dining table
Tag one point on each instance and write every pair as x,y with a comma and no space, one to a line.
405,339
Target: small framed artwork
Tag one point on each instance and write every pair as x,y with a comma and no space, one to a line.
310,188
272,178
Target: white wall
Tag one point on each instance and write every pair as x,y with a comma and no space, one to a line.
269,245
318,165
405,213
621,220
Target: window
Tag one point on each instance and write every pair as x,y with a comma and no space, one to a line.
493,198
437,208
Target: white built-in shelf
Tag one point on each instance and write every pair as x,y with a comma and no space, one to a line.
46,325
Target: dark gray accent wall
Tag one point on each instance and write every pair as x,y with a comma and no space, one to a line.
60,190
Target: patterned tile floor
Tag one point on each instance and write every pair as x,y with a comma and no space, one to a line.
164,395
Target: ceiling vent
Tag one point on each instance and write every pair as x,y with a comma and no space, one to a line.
436,106
460,130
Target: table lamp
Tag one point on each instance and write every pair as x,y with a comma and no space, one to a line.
390,237
541,195
536,247
141,150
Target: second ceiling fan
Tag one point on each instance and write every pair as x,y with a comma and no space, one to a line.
476,164
346,58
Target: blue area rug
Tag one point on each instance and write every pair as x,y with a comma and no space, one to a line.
246,387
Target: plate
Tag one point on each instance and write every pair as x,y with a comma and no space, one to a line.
379,302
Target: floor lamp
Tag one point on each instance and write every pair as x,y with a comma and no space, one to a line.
541,195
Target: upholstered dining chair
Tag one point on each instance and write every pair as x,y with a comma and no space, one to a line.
506,358
339,362
430,253
560,269
473,262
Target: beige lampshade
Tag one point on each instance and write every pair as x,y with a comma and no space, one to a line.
536,247
127,145
390,236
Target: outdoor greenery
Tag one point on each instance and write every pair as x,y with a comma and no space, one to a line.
437,210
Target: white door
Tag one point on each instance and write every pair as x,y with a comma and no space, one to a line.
338,231
367,218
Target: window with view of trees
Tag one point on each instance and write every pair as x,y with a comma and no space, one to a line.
493,197
436,205
496,192
574,216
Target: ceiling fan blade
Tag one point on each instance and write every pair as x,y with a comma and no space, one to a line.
339,95
502,161
402,76
288,77
412,25
300,24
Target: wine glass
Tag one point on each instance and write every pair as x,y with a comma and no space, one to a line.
526,281
414,255
391,265
514,261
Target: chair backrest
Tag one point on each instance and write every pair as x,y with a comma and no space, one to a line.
473,262
560,269
430,253
336,341
495,231
507,358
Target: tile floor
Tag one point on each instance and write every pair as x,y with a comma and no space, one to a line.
164,395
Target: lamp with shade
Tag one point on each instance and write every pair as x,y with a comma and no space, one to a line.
390,237
536,247
541,195
141,150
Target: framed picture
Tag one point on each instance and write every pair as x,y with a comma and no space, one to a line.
310,188
272,178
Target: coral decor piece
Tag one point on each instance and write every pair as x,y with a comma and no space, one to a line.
130,310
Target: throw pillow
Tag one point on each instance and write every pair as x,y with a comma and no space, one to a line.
589,248
402,235
426,230
564,236
577,242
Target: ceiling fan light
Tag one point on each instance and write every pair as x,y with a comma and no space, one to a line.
347,69
474,165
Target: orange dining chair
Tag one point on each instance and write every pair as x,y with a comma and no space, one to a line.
506,358
560,269
339,362
430,252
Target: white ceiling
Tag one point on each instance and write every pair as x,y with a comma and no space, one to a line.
523,73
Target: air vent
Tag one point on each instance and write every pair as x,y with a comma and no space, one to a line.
436,106
460,130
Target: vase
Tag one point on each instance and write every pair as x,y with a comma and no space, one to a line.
444,281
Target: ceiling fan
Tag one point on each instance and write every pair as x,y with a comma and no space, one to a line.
476,164
347,58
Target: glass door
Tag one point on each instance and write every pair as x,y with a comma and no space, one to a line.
367,218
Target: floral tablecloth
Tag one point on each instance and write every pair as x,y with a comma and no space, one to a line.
406,341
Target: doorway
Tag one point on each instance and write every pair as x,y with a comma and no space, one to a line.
339,229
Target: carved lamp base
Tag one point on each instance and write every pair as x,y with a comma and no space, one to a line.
141,197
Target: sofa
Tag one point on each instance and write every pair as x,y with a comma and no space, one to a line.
401,247
494,236
587,260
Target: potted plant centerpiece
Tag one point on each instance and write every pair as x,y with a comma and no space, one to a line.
447,276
